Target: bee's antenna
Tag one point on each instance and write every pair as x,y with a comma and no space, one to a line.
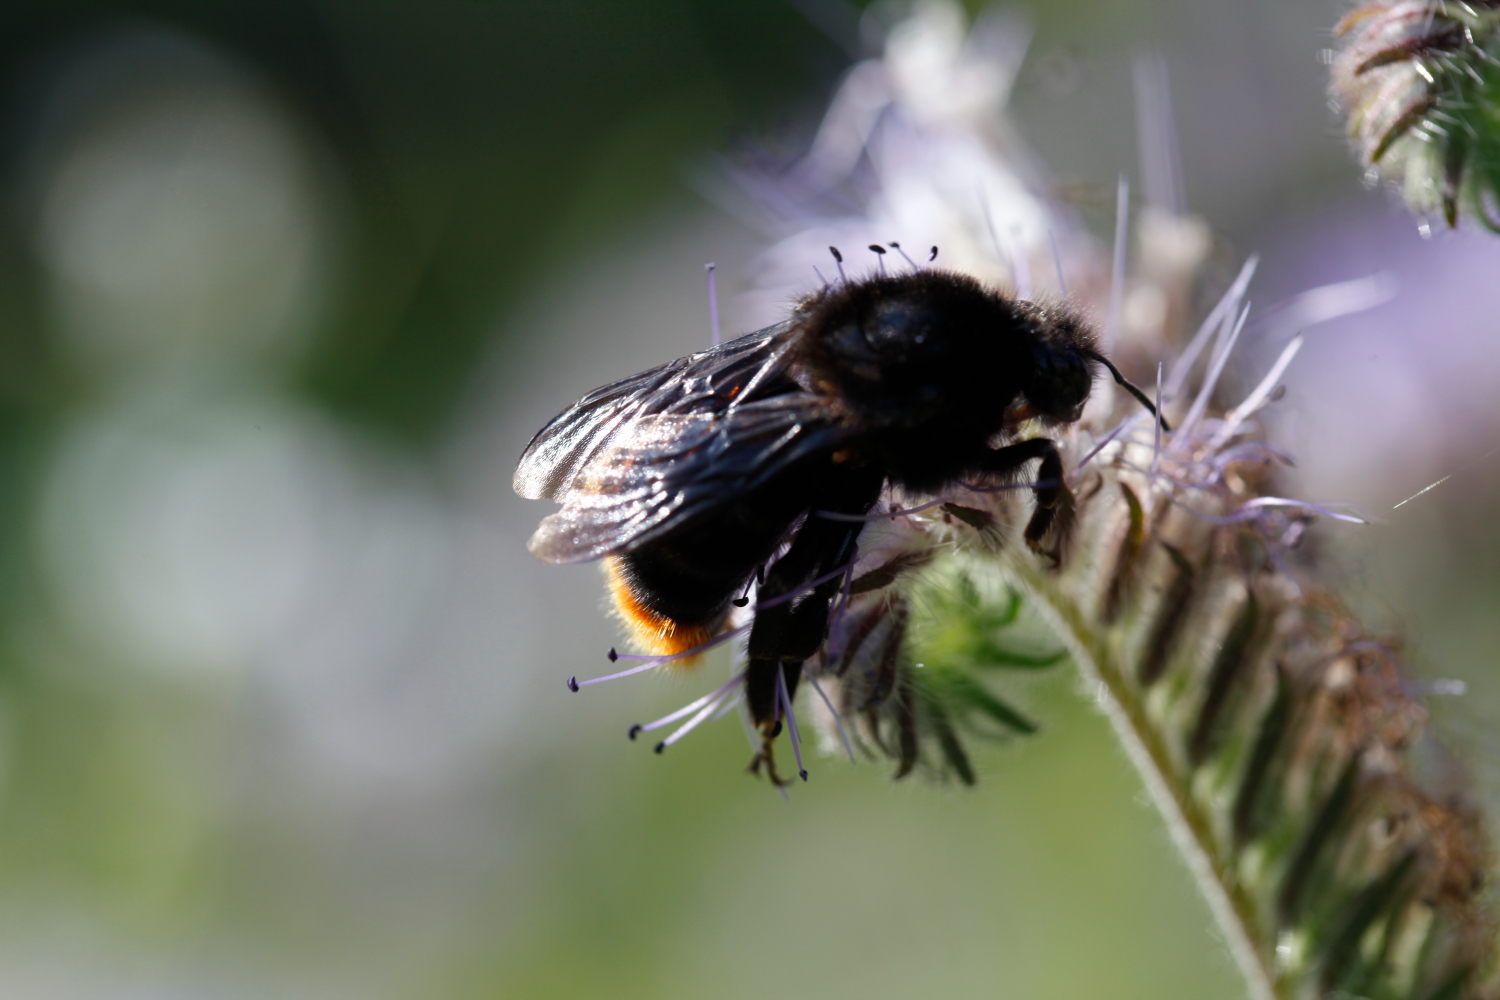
1140,396
839,258
897,247
879,252
713,303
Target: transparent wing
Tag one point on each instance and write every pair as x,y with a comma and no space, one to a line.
639,458
697,383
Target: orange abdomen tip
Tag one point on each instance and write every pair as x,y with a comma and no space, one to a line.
654,632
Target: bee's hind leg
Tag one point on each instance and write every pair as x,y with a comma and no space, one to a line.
766,757
791,618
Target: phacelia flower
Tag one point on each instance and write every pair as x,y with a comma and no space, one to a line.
1276,735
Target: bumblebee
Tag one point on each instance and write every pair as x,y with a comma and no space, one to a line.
758,459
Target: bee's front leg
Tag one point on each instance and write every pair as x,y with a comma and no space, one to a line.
1051,492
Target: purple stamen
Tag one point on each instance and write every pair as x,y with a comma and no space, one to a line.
655,661
1260,394
1022,262
1062,284
1250,510
784,709
713,698
1273,550
574,683
686,727
820,276
879,252
1156,441
932,256
837,719
1285,502
1225,307
728,706
1215,369
1119,429
838,614
744,597
713,303
806,588
1443,686
1246,449
1020,267
911,263
1156,134
839,259
1327,302
1117,263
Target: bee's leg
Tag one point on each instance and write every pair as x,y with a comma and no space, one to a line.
1051,493
787,633
766,759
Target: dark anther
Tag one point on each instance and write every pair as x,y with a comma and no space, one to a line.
776,729
660,746
836,255
932,256
877,248
635,730
613,656
573,684
740,602
804,775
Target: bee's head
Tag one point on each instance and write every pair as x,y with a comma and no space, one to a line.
1061,370
1063,359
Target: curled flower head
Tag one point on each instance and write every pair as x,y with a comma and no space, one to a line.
1419,84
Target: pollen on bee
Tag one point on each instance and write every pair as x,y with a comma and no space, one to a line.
654,632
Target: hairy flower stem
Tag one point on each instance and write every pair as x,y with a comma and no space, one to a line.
1276,739
1188,824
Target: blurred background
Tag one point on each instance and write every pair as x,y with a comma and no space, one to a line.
285,288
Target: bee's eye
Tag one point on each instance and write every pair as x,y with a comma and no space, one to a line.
1061,382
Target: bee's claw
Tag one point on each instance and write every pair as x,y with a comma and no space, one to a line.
765,758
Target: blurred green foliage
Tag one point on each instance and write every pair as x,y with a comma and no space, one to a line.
480,145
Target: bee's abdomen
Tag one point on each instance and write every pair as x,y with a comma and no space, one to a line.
674,593
663,622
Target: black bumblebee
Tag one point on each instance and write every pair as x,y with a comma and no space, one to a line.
691,477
